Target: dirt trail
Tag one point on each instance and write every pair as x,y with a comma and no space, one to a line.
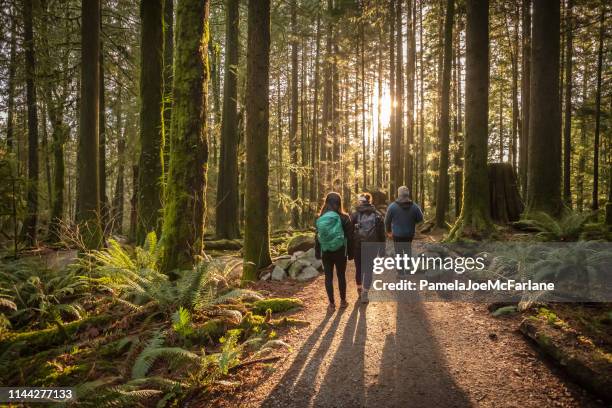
389,354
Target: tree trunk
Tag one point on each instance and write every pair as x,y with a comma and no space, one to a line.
567,129
104,210
31,219
183,224
293,127
410,68
394,152
421,112
583,142
256,235
88,181
10,121
168,66
444,129
314,142
544,175
506,204
151,139
525,89
475,218
458,129
399,97
595,201
226,222
118,198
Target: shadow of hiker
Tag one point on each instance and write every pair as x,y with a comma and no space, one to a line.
413,370
343,384
298,383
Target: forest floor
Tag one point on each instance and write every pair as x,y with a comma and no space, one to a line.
392,354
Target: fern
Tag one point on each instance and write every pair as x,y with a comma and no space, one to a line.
181,322
176,356
567,228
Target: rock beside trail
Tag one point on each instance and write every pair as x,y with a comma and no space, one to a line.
301,265
308,273
278,273
300,243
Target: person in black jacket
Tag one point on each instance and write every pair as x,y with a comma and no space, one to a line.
337,258
369,227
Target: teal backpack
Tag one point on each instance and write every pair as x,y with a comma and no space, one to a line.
330,232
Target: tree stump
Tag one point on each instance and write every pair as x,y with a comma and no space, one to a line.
506,204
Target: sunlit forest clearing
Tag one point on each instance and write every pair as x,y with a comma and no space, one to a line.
163,164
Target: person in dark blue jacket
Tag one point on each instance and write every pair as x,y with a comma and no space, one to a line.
400,221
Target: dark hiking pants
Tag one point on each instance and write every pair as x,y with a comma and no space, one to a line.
337,260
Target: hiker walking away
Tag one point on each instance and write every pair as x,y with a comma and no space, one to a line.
369,227
400,222
333,245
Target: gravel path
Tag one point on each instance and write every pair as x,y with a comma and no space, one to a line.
389,354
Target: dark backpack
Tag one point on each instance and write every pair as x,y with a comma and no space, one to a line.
366,227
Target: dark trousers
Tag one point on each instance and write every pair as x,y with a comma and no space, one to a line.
330,260
363,269
402,245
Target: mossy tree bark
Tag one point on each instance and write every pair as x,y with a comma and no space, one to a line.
475,220
544,164
226,215
151,163
444,128
183,226
31,220
256,234
88,188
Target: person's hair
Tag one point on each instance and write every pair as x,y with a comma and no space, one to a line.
367,196
333,202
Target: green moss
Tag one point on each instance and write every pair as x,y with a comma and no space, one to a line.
288,321
276,305
57,374
55,336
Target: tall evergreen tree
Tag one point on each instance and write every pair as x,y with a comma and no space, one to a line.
31,220
544,163
293,127
88,187
185,205
444,127
226,221
256,229
475,212
151,164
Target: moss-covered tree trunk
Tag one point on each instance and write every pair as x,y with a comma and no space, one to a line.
444,129
475,218
151,164
226,214
88,189
256,229
183,226
544,164
31,219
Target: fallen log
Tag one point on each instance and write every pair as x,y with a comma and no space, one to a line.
223,244
584,366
